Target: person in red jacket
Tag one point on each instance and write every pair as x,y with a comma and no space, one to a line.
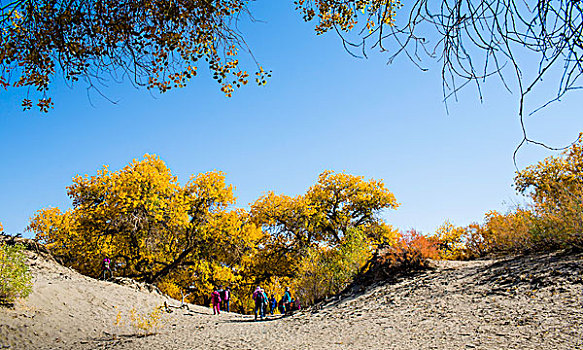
216,301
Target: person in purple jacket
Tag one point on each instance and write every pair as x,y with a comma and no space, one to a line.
259,298
226,296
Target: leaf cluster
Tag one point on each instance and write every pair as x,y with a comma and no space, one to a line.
15,277
157,44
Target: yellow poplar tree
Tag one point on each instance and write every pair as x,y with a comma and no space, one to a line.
153,229
311,230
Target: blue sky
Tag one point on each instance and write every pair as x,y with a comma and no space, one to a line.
322,109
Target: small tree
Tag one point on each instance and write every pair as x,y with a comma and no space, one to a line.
15,278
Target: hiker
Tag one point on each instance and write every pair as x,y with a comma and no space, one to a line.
272,304
259,298
222,294
216,300
280,306
225,296
287,301
265,303
106,269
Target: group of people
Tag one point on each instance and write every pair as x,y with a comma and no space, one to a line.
221,296
263,303
285,306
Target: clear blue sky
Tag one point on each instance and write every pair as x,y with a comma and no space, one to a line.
322,109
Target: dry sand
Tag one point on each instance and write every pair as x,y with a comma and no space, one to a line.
530,302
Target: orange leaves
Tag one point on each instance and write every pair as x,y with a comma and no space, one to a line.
509,232
261,76
411,251
4,83
426,247
26,104
44,104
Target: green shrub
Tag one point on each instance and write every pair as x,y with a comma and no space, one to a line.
15,278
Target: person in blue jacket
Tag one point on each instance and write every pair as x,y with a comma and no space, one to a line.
287,301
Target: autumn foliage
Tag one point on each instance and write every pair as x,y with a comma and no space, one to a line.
189,238
552,220
159,45
153,229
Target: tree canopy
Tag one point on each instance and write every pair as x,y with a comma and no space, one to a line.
188,239
146,222
337,203
160,44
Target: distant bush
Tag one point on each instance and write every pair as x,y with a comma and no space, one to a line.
451,241
15,278
415,248
409,253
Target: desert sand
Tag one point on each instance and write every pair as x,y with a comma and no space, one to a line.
531,302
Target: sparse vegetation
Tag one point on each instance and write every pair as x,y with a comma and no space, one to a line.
140,324
15,278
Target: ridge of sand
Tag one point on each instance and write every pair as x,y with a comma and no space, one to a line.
532,302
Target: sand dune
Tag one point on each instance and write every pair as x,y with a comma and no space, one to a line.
533,302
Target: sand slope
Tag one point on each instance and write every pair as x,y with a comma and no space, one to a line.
531,302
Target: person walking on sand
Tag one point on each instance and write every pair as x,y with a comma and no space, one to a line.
216,300
259,298
222,295
287,301
272,304
265,303
106,269
226,297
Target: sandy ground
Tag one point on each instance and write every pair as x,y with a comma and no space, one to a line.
531,302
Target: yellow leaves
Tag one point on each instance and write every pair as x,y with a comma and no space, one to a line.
555,186
153,228
189,240
166,43
140,323
451,241
345,15
326,211
323,271
319,239
171,289
209,192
